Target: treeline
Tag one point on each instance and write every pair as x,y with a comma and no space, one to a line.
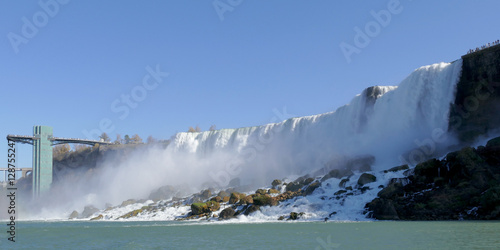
198,129
61,150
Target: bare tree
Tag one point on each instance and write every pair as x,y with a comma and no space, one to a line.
212,128
136,139
198,129
105,137
151,140
119,139
191,130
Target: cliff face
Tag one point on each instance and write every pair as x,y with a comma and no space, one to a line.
476,108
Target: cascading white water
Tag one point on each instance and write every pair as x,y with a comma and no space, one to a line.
382,121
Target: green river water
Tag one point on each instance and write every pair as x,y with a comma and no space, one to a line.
269,235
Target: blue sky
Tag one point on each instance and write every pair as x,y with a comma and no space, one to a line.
70,64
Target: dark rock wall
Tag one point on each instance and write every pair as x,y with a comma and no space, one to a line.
476,110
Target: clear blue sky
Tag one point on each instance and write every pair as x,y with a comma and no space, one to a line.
230,71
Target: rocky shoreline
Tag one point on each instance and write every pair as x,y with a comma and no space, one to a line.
465,185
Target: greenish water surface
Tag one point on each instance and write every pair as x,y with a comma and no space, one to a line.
285,235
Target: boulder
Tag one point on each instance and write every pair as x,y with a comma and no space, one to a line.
273,191
88,211
337,173
217,199
310,189
343,182
234,198
225,199
265,200
99,217
206,207
74,215
396,169
261,191
340,192
286,195
276,183
366,178
294,186
295,216
223,194
307,181
493,144
383,209
205,194
227,213
251,209
246,200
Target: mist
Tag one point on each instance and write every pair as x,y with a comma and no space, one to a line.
391,125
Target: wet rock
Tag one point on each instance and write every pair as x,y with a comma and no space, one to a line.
396,169
205,194
88,211
234,198
343,182
307,181
246,200
287,195
99,217
261,191
383,209
340,192
366,178
276,183
227,213
337,173
265,200
252,209
310,189
295,216
74,215
273,191
206,207
216,199
294,187
223,194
